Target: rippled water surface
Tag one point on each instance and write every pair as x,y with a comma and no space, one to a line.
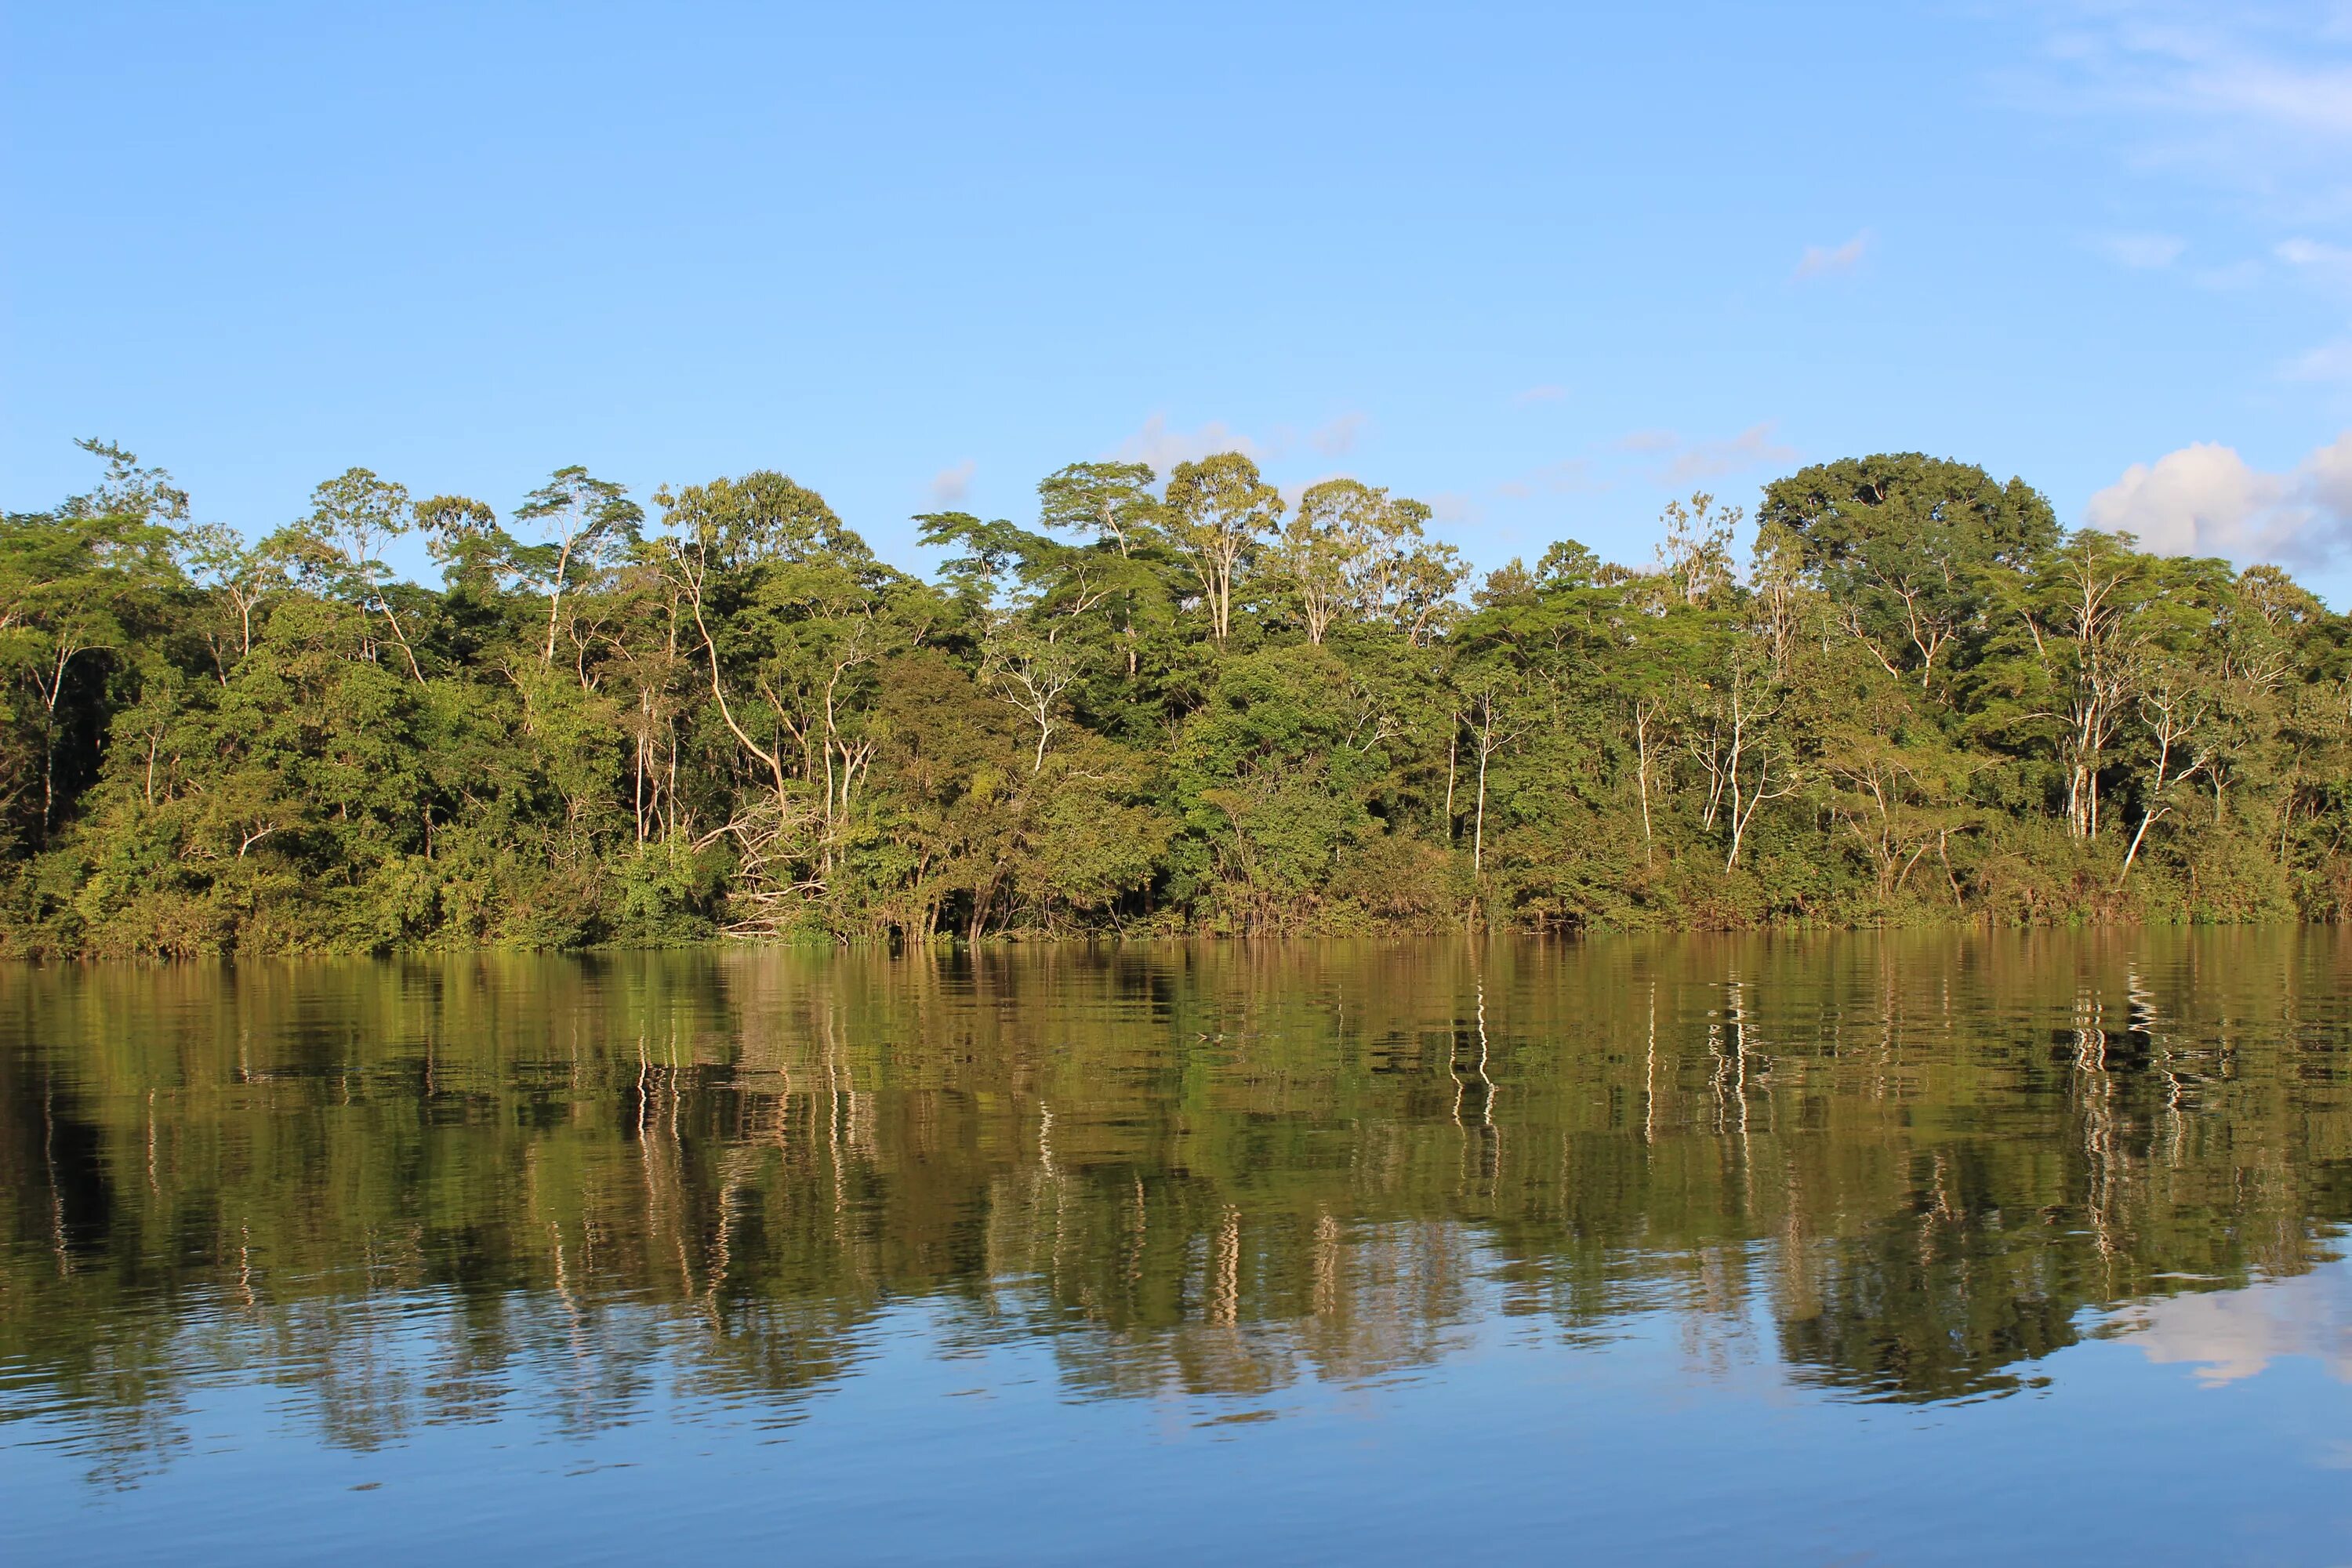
1945,1249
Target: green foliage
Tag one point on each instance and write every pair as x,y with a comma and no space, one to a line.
1155,708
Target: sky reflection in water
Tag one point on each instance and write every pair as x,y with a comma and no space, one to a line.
1902,1249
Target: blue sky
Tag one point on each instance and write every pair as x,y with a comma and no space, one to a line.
1543,266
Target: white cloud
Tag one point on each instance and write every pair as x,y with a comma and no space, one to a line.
2202,500
950,486
2206,500
1822,261
1336,438
2231,1335
1163,448
2328,478
2144,251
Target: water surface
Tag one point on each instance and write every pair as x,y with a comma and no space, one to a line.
1914,1250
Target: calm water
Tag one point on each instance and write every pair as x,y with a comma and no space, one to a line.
1844,1250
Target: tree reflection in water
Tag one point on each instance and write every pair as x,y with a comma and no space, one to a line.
431,1191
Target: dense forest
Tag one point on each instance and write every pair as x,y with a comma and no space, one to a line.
1179,704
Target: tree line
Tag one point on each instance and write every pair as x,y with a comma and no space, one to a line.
1167,704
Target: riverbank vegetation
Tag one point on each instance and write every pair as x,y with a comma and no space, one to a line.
1179,704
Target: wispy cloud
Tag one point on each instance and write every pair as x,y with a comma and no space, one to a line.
1679,462
949,487
2206,500
2251,103
1336,438
2146,252
2330,361
2256,98
2243,273
2255,67
1571,475
2314,253
1546,393
1752,447
1827,261
1163,447
1453,506
2329,266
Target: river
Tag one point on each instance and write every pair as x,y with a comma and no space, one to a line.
1906,1248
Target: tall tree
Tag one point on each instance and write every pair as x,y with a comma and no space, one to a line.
1907,545
340,547
586,525
1219,511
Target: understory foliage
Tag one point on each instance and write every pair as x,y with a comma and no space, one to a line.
1178,703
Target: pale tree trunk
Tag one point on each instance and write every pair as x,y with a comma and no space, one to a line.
52,691
1490,740
2171,726
1478,833
1453,748
401,638
1642,716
